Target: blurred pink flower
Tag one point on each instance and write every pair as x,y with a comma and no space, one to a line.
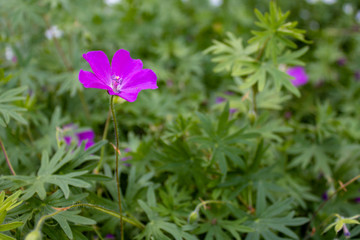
299,75
71,134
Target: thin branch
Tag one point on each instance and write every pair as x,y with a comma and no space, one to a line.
7,158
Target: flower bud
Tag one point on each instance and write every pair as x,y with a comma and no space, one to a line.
252,116
193,217
34,235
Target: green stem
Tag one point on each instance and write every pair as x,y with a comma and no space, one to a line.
254,88
98,233
104,210
117,165
254,92
106,128
208,202
7,158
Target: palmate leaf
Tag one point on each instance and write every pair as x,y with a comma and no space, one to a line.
276,32
275,218
68,83
223,229
222,141
179,154
20,12
46,173
270,128
291,58
216,224
8,110
67,220
48,129
175,202
65,217
319,153
160,228
232,56
271,99
265,70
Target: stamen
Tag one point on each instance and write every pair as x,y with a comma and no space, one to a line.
116,83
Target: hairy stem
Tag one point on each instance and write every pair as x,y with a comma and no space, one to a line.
117,165
7,158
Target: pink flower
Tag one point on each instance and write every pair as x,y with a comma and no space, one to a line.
124,78
299,75
87,136
72,134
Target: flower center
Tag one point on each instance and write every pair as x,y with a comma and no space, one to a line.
116,82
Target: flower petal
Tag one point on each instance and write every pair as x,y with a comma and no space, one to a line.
89,80
85,135
88,144
129,95
100,65
143,79
123,65
299,75
67,140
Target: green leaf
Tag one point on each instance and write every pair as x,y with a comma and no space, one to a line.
2,216
231,56
7,108
10,202
282,79
9,226
71,216
275,218
276,32
46,174
5,237
157,226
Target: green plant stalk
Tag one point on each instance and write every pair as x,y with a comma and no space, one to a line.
104,210
254,88
106,129
203,203
98,233
7,158
117,166
254,92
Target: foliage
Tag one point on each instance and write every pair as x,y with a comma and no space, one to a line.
5,206
226,148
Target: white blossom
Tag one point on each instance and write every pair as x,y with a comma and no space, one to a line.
216,3
9,54
329,1
112,2
348,8
53,32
